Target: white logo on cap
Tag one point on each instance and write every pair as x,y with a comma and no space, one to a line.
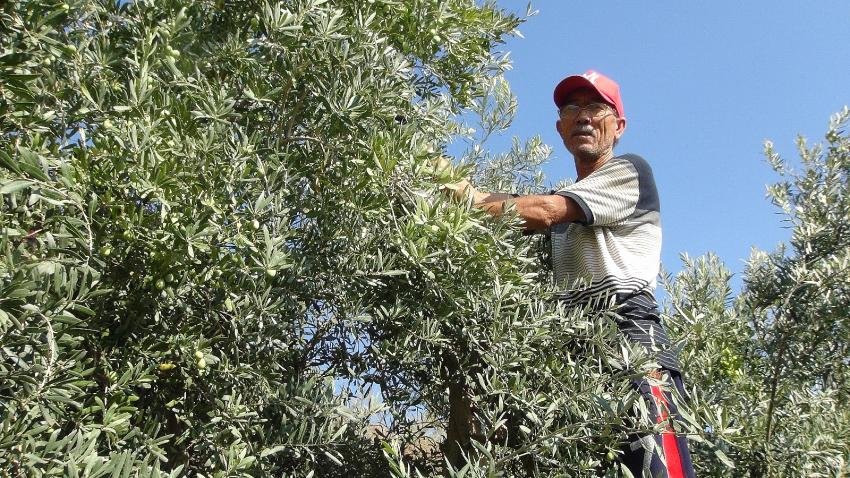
591,76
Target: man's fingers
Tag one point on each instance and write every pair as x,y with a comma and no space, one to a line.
444,170
460,190
441,163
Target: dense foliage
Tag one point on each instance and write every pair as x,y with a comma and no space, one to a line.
225,253
221,234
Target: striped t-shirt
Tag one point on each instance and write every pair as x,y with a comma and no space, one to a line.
614,257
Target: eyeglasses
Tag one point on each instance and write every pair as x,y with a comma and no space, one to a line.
595,110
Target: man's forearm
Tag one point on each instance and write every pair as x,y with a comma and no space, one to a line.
537,211
492,203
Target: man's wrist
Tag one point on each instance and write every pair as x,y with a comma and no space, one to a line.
464,189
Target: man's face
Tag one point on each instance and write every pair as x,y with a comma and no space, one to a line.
585,135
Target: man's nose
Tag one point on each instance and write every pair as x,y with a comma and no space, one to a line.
583,117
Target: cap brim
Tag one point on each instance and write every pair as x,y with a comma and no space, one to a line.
572,83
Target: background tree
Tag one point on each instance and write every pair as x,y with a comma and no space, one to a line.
772,365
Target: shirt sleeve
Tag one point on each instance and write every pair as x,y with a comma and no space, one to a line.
608,195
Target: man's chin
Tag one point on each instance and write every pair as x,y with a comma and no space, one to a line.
585,152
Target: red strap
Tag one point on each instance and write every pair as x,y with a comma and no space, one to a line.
668,437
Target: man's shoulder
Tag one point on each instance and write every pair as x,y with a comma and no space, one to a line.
639,163
648,199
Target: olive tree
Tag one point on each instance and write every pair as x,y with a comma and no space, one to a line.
226,253
771,365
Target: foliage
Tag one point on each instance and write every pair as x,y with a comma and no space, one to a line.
773,364
225,253
221,234
194,194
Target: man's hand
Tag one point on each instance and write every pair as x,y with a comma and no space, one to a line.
459,190
441,164
464,189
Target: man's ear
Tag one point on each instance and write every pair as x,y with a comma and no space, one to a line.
621,126
558,127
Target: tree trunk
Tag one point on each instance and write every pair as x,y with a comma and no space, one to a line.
461,428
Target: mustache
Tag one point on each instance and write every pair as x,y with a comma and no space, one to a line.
583,130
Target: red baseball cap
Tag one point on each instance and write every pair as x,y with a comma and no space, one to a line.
606,87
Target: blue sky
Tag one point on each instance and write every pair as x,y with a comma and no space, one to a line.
704,84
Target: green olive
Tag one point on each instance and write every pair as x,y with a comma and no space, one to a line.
105,251
202,364
271,273
199,355
160,284
166,366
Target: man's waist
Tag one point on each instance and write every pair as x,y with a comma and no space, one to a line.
610,292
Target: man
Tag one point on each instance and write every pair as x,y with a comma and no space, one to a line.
606,247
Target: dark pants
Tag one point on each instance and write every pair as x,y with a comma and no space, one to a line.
666,454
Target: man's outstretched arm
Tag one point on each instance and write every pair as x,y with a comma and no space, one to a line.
538,211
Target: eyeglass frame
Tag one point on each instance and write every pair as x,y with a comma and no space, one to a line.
604,111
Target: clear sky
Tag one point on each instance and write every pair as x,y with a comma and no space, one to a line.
704,84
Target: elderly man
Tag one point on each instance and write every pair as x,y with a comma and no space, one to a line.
606,246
